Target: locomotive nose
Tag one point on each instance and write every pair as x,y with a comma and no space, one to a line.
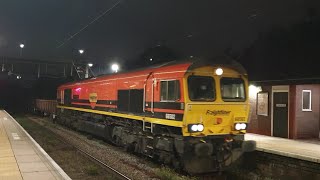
203,149
249,146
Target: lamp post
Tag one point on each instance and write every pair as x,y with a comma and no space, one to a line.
21,47
81,51
89,65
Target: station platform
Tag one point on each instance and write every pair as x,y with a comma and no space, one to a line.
308,151
21,157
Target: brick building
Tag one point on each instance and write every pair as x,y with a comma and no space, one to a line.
288,109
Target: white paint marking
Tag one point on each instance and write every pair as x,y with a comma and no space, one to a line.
15,136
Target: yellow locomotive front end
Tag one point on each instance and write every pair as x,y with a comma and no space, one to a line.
216,104
216,117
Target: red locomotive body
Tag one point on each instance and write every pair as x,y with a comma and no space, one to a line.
102,93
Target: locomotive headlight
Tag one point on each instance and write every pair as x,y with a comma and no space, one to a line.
240,126
219,71
195,127
243,126
200,127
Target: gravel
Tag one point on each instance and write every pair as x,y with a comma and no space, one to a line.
131,165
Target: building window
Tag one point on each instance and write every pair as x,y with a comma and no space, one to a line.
170,90
306,100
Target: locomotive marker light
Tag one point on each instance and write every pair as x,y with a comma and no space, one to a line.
115,67
219,71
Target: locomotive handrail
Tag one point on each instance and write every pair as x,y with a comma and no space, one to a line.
144,98
144,94
152,96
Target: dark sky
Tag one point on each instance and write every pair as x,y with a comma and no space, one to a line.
191,27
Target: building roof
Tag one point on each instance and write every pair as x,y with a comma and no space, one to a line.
296,81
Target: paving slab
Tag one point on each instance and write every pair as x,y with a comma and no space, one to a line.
309,151
21,157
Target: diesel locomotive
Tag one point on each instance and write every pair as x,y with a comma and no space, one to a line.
190,114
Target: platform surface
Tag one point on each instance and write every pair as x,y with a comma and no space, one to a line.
308,151
21,157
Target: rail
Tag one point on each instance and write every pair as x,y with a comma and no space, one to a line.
113,171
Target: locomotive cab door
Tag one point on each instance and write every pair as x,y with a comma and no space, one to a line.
67,96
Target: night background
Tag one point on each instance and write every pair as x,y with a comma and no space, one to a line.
273,40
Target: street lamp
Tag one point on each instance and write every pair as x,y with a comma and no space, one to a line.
115,67
89,65
81,51
21,47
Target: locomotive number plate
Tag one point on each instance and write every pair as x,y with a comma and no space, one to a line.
170,116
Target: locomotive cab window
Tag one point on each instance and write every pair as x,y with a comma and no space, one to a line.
201,88
232,89
170,90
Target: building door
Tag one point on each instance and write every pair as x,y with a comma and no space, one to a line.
280,114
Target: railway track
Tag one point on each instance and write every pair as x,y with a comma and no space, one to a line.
102,162
114,172
118,174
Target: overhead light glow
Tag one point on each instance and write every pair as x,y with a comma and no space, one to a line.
253,90
81,51
115,67
90,64
21,45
